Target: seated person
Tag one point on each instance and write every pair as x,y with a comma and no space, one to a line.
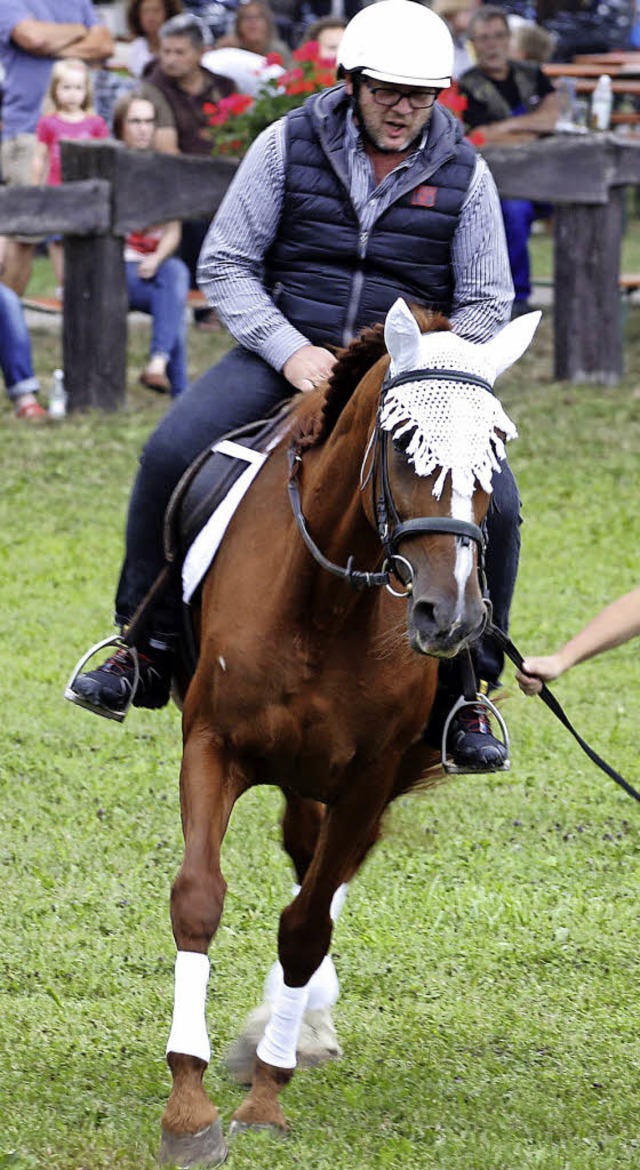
16,361
327,33
180,87
145,19
157,281
254,30
508,100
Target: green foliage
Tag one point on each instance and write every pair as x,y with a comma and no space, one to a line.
488,950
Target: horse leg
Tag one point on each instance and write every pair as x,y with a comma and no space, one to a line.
191,1129
306,925
317,1042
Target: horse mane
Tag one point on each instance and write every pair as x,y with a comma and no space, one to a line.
317,413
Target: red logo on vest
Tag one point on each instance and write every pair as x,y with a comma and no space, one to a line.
424,196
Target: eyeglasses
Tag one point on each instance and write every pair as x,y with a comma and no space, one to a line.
490,38
417,99
141,121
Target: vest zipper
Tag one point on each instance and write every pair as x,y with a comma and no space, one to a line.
356,291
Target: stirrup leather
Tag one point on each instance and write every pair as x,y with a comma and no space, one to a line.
482,700
119,643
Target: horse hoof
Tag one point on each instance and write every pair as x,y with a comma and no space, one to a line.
186,1150
238,1127
317,1043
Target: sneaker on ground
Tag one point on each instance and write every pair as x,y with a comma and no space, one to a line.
108,688
473,745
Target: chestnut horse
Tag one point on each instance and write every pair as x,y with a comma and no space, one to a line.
319,688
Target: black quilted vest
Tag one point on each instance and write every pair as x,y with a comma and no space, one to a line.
329,279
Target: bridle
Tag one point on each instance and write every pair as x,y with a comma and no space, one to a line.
390,527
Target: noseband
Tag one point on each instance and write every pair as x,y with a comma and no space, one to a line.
390,528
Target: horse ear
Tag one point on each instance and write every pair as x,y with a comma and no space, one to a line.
402,336
511,342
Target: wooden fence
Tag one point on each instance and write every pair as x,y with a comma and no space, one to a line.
109,191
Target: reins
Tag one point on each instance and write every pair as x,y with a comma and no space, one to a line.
552,703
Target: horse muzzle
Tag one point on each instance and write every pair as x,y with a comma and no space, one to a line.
437,629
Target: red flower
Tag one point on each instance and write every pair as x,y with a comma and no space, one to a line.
453,100
310,51
274,59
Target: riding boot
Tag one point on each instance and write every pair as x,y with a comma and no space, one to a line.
140,676
471,744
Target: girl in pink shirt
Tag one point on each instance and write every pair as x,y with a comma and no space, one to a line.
70,114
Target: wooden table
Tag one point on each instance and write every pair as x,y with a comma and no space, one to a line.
585,177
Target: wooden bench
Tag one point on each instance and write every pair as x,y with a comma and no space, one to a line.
195,300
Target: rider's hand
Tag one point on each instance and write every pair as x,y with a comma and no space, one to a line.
538,670
308,367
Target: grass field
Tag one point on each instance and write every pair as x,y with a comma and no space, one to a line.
488,950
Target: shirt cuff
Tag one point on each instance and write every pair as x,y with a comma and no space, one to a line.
281,344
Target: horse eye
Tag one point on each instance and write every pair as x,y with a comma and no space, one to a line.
402,442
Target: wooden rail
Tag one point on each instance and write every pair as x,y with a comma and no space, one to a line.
109,191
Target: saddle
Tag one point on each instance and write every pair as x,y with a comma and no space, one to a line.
207,484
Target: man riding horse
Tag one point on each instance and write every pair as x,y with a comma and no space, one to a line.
367,193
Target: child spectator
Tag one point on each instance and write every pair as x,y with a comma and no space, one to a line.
70,102
158,282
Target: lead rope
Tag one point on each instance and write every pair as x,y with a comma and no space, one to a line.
552,703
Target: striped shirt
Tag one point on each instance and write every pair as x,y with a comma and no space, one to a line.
231,265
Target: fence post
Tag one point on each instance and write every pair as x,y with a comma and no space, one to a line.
94,332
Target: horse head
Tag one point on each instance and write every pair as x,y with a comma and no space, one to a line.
441,438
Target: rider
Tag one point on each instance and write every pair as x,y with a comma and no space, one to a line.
367,192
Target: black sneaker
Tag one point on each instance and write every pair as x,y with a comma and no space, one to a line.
108,689
474,748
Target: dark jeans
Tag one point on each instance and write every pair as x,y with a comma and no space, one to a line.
240,389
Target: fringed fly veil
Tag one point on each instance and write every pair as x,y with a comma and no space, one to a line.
454,424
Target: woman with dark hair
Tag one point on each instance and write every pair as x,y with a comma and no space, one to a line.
145,18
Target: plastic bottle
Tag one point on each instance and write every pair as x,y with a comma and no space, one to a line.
57,396
601,103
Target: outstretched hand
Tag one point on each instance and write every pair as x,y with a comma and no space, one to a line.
538,670
308,367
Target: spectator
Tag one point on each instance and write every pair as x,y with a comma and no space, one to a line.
16,361
530,42
579,26
180,88
33,34
457,14
145,19
158,282
327,33
306,12
613,626
507,100
70,99
254,30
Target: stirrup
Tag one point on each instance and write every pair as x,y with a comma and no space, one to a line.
118,641
456,769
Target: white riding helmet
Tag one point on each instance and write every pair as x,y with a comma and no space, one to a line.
398,41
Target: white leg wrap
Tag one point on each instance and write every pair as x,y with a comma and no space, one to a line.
337,902
323,987
189,1028
280,1040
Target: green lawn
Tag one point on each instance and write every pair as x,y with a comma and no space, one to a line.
488,950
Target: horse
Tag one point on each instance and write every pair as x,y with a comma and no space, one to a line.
347,572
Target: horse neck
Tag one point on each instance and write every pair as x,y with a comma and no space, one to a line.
332,495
